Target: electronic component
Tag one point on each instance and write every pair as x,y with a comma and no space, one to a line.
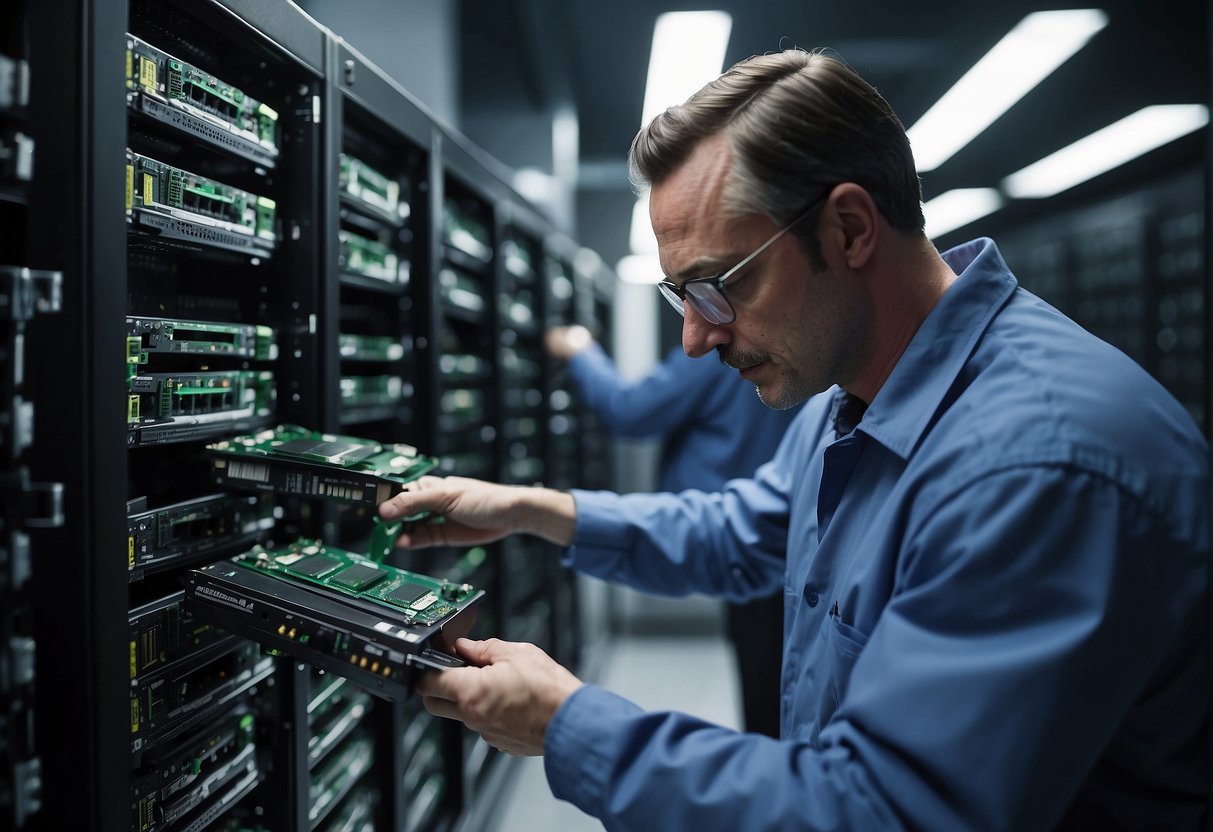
14,83
356,814
175,780
291,460
333,724
333,780
462,293
352,626
191,690
177,407
465,234
369,347
371,391
369,190
364,257
16,157
182,533
163,335
177,205
189,99
163,632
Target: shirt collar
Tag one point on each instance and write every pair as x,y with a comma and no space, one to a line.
913,392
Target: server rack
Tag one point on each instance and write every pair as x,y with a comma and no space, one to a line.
24,294
219,275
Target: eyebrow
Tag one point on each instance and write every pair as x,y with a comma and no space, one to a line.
704,266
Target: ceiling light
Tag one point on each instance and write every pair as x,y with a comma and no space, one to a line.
641,239
640,268
1037,45
1145,130
688,51
953,209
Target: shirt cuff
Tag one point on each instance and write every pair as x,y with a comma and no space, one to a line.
599,538
586,723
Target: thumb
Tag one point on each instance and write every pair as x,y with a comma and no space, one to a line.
479,653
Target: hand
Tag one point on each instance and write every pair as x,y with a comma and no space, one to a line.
564,342
508,697
479,512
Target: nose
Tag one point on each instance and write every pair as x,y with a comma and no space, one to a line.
699,335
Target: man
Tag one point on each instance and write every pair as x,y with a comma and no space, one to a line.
713,429
992,533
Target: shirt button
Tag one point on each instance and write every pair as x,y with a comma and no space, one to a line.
812,599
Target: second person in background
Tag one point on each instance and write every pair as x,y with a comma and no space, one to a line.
713,428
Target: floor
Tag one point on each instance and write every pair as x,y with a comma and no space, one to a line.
689,673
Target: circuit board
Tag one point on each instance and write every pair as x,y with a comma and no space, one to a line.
419,598
289,459
175,204
184,96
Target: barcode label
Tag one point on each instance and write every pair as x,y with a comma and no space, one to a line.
255,471
340,492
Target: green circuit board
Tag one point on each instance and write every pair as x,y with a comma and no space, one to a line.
396,463
420,598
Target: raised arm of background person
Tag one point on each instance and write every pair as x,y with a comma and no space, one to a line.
730,544
476,512
672,394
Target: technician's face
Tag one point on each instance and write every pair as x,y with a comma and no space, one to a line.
791,334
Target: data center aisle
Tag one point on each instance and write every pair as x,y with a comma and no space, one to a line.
694,674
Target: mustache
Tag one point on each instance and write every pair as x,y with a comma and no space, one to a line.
740,359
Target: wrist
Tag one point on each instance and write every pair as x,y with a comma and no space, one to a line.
546,513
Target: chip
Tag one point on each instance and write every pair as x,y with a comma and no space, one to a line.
407,593
357,577
314,567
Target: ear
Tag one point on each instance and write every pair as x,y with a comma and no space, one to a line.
856,223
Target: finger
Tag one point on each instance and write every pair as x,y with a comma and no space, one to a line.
413,498
479,652
445,684
441,708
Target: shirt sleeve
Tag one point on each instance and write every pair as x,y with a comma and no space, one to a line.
729,544
651,406
979,700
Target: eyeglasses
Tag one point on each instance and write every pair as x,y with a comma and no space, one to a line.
707,295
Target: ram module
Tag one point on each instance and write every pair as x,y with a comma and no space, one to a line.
420,599
289,459
174,204
190,99
342,612
164,335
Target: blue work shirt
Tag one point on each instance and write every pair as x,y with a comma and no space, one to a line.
712,422
995,589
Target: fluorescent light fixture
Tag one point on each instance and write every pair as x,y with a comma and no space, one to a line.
1141,132
1025,56
641,239
953,209
688,51
640,268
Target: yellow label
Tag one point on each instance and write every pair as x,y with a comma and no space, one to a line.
134,662
130,562
130,186
129,64
134,715
147,74
149,189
